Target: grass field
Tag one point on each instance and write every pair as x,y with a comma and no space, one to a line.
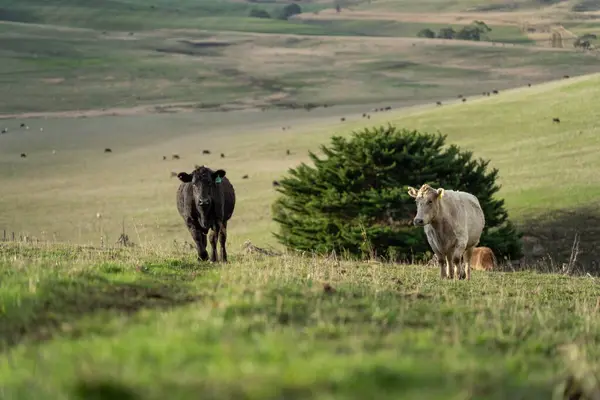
58,195
150,79
82,324
75,55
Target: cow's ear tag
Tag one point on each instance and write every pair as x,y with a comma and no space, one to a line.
218,180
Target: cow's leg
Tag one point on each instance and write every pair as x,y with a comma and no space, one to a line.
213,236
223,241
199,238
449,270
441,262
468,258
457,257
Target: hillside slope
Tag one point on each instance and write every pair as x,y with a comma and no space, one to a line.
546,169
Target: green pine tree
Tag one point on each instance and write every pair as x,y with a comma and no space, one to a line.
354,199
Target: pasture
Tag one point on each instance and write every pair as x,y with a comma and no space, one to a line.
81,318
80,323
56,196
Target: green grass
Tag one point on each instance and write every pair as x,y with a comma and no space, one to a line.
56,196
77,323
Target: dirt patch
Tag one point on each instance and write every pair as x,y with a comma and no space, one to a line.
552,237
53,80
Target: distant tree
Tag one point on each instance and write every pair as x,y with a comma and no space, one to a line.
469,33
482,26
290,10
258,13
426,33
447,33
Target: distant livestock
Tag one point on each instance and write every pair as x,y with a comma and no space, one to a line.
245,177
464,100
495,91
175,157
5,130
483,259
566,76
288,152
460,96
23,155
439,103
453,222
205,201
275,183
164,158
108,150
222,155
556,120
342,119
205,151
23,125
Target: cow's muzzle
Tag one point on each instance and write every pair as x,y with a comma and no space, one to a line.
418,222
204,202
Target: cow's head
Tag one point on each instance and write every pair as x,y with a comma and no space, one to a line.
205,185
428,203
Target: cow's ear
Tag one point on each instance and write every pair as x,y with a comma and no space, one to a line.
412,192
218,175
440,193
184,177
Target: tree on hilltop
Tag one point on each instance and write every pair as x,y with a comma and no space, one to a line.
354,199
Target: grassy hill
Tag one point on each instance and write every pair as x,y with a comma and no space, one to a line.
151,79
209,54
545,168
80,323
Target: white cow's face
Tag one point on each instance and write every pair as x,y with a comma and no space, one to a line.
428,203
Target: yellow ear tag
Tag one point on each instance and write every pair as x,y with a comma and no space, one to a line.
441,195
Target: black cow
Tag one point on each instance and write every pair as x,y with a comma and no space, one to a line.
205,201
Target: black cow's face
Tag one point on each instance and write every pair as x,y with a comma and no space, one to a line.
204,185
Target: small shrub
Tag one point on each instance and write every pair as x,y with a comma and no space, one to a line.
426,33
258,13
290,10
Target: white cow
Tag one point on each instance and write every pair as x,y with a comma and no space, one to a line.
453,222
